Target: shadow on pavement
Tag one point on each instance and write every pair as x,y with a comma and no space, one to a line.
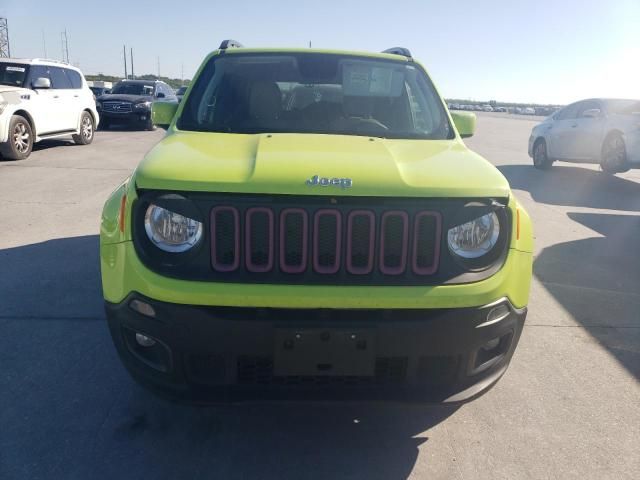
122,127
597,280
51,279
45,145
53,143
574,187
68,409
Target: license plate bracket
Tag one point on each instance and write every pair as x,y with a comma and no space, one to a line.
324,352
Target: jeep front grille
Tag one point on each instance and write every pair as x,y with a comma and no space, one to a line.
324,242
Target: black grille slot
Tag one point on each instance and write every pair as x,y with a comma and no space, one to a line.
393,255
226,238
259,233
326,241
360,238
293,241
426,243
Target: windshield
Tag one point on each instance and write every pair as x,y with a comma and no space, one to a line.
130,88
13,74
315,93
181,91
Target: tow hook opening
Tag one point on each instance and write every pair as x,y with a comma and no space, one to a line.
491,352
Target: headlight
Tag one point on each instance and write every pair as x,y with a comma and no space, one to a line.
475,238
98,104
143,105
170,231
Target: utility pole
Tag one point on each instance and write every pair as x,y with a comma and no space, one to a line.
158,68
133,75
5,49
66,45
182,74
124,56
64,40
44,44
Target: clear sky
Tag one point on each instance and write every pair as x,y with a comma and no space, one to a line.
546,51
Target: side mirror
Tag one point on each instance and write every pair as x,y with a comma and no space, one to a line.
41,82
160,95
591,113
465,123
162,113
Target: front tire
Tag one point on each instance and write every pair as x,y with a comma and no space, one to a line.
540,158
87,130
614,155
148,125
20,142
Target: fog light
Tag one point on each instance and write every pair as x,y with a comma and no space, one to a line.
144,341
491,344
142,307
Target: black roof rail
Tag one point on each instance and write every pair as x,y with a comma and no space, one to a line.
230,44
399,51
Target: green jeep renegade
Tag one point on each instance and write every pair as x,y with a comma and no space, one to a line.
313,226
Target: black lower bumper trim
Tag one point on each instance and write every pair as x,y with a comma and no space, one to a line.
236,353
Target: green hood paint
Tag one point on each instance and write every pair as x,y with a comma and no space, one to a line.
281,163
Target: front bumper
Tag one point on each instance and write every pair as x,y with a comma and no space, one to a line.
231,353
135,116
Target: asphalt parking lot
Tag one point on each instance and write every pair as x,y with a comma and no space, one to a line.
568,407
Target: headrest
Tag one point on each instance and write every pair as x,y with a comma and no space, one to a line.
265,101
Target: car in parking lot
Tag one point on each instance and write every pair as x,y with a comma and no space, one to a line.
130,102
601,131
41,99
339,240
180,92
97,91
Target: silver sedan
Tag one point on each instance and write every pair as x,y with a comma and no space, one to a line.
600,131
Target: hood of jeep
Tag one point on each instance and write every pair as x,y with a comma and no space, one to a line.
282,164
9,88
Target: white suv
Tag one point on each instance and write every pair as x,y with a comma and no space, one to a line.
42,99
